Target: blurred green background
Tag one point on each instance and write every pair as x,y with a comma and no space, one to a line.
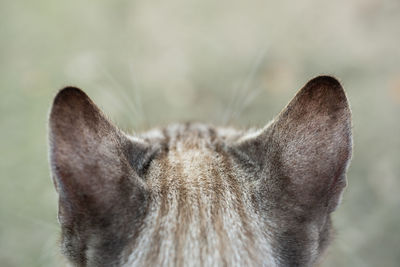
147,63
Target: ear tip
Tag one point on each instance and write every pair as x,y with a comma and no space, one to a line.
326,81
69,97
69,93
67,101
70,89
327,88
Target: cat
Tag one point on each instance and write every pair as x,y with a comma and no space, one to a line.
197,195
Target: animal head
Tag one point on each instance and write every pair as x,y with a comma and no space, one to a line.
193,194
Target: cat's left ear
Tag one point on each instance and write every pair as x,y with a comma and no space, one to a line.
94,165
302,156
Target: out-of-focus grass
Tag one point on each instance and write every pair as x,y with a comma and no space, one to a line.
226,62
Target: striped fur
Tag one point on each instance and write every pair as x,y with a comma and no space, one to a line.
197,195
201,212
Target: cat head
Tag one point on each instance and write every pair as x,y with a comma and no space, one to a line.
198,194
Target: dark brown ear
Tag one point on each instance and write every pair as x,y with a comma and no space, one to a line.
94,164
307,148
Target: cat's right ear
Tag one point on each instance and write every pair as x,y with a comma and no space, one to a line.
304,153
94,165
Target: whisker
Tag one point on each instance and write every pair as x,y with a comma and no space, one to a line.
137,97
246,103
36,221
242,91
124,97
